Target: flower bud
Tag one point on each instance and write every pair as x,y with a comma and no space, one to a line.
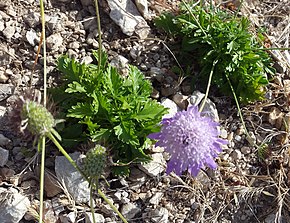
94,162
36,118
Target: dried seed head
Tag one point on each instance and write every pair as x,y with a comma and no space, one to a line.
37,119
94,162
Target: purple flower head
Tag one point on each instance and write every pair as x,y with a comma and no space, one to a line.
191,139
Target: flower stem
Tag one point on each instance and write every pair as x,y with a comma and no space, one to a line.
92,205
99,35
208,85
73,163
41,146
44,104
240,113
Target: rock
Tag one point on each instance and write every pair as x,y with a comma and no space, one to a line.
130,210
74,45
98,217
172,107
87,2
246,150
155,167
180,100
142,6
2,27
32,37
159,215
156,198
9,31
87,60
32,18
51,186
3,76
276,117
125,14
54,41
236,155
13,205
69,218
6,90
209,109
4,154
238,138
76,185
223,133
4,141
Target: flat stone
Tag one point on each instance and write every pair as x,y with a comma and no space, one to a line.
209,109
156,198
13,205
76,185
125,14
172,107
155,167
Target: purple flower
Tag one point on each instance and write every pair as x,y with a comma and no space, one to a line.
191,139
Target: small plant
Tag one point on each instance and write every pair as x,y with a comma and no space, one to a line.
216,39
114,110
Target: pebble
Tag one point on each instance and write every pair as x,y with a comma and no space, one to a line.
246,150
32,37
54,41
223,133
236,155
238,138
9,31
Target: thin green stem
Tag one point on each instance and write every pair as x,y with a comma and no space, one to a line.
42,166
44,104
92,205
208,85
99,35
240,113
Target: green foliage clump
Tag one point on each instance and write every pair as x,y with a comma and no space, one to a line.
111,109
219,40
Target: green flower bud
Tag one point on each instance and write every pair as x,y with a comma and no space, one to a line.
94,162
37,118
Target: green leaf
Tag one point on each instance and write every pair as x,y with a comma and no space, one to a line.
80,110
125,133
151,110
75,87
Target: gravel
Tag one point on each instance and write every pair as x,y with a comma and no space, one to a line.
242,189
